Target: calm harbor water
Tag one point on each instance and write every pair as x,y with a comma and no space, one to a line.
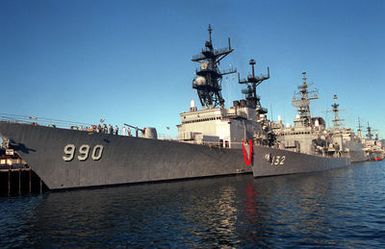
343,208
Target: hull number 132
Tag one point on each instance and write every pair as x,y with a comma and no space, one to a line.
275,160
278,160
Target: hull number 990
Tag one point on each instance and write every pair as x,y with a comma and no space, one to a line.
84,152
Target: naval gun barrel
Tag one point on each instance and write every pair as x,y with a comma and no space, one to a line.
148,132
136,129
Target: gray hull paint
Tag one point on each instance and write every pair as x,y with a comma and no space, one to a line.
357,156
124,159
289,162
134,160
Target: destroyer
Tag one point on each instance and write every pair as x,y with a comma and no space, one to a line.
373,146
349,143
211,141
303,147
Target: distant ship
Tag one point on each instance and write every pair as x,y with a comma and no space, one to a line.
304,147
373,146
349,143
212,141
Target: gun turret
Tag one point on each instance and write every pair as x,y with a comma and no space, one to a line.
137,129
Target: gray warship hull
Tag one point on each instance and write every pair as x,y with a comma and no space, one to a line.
123,159
270,162
357,156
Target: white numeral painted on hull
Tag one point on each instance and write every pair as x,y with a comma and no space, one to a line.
69,152
97,152
84,151
275,160
278,160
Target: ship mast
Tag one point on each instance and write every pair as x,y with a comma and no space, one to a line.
336,111
302,102
369,134
252,81
359,131
208,77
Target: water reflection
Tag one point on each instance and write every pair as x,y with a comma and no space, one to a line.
339,208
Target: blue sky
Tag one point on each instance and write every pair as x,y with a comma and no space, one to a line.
129,61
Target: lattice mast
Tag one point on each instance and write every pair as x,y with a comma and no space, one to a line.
369,134
335,109
301,100
359,130
252,81
208,77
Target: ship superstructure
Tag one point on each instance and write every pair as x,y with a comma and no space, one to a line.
208,76
252,81
373,147
344,137
214,124
308,134
302,147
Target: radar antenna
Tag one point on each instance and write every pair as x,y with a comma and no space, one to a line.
336,111
301,100
252,81
208,77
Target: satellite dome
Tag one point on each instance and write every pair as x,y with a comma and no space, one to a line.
199,80
316,122
192,103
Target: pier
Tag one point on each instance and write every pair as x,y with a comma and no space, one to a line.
18,178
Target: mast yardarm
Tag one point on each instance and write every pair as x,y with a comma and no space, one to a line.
302,101
208,77
250,92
